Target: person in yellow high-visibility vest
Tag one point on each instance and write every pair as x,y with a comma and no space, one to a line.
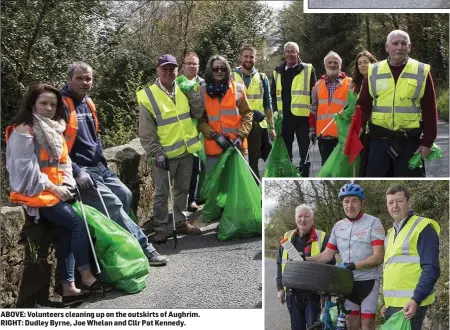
411,259
398,101
258,93
292,83
304,307
168,133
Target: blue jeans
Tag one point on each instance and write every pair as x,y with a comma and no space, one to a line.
117,198
304,309
74,245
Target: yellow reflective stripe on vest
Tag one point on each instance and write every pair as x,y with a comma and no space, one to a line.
401,257
401,97
176,130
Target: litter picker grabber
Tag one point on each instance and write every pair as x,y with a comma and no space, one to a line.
99,272
174,231
100,196
248,165
320,134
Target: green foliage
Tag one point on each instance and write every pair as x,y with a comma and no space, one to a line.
429,199
442,103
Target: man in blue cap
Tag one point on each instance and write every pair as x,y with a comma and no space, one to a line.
168,133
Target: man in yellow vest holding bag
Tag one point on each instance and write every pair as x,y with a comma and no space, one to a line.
258,94
398,101
168,133
411,259
292,83
303,306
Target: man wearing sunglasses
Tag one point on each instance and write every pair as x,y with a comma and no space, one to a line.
292,83
258,93
168,133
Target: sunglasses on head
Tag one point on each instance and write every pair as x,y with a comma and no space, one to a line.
219,68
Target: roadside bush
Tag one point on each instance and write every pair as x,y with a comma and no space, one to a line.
443,104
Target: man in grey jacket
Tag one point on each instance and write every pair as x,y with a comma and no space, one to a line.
168,133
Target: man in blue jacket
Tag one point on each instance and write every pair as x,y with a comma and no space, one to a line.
86,153
411,260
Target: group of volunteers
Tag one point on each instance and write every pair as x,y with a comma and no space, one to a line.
53,144
407,258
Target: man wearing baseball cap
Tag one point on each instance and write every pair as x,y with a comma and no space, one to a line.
169,135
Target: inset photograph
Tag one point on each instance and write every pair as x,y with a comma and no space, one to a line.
380,4
356,254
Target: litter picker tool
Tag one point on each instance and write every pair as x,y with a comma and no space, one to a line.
100,196
248,165
174,231
99,272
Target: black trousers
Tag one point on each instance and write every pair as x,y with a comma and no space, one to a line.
326,147
255,139
381,164
298,125
194,188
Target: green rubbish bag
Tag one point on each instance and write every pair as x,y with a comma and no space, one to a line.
242,214
214,189
416,160
279,164
397,322
119,254
338,164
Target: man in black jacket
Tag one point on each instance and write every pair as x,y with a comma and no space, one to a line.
291,88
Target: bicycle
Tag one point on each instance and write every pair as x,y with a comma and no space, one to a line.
327,323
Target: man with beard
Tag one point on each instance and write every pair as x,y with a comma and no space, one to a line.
329,96
398,101
258,94
292,83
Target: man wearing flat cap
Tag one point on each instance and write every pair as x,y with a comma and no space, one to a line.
169,135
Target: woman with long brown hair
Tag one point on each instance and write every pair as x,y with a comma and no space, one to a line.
362,62
40,175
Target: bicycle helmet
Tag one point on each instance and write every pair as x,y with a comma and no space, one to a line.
351,189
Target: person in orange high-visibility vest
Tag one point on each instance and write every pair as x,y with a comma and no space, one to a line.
40,175
88,161
329,97
227,119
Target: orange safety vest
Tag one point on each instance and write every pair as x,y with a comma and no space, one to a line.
325,110
47,166
223,116
72,126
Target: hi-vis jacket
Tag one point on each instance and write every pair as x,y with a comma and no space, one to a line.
300,91
175,128
402,262
325,110
54,168
223,116
72,126
396,106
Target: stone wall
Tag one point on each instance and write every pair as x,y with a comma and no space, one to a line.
27,254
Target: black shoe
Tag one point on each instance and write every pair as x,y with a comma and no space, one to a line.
72,300
96,287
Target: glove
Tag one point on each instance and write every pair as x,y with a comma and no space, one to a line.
84,180
221,140
161,162
281,296
258,116
238,142
63,193
350,266
312,137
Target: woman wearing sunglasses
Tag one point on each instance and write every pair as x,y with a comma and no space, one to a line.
227,120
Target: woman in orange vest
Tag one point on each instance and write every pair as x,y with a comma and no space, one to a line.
40,175
227,120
